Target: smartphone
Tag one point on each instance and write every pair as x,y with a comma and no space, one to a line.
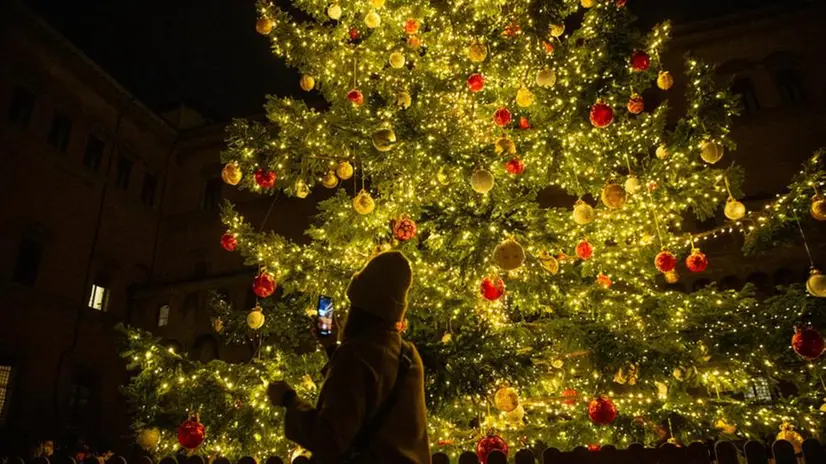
324,310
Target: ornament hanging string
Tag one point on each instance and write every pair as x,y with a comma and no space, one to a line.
728,186
802,235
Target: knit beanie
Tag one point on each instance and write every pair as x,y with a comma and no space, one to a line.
381,287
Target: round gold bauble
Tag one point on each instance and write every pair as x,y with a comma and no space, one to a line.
149,439
384,139
516,416
548,262
255,318
557,30
586,3
334,11
404,99
662,152
583,213
672,277
396,60
344,170
818,208
506,399
816,284
372,20
307,83
632,184
505,146
481,181
613,196
264,25
546,78
509,255
524,97
377,3
734,210
665,80
711,152
442,176
363,203
301,189
231,174
477,52
330,180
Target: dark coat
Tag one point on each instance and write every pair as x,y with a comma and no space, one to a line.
360,377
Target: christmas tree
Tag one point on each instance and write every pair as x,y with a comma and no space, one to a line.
448,127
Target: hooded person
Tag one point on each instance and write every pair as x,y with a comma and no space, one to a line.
371,408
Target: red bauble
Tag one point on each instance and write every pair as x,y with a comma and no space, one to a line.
515,166
191,433
665,261
602,410
356,97
265,179
476,82
404,229
570,396
601,115
489,444
604,281
621,3
263,285
594,447
411,26
584,250
636,105
696,261
492,290
229,242
524,123
502,117
512,30
640,61
354,34
808,343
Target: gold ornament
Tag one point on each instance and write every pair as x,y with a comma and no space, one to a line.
613,196
662,152
734,210
477,52
725,427
307,83
344,170
557,363
506,399
509,255
149,438
301,189
711,152
363,203
231,174
481,181
665,80
516,416
217,324
372,20
546,78
505,145
442,176
586,3
816,284
255,318
662,390
672,277
548,262
384,139
264,26
557,30
403,99
330,180
524,97
334,11
632,184
396,60
583,213
446,338
678,373
818,209
788,433
377,3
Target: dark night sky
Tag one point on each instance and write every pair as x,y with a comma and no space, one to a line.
208,54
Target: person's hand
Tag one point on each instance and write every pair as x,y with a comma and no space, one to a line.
277,392
326,341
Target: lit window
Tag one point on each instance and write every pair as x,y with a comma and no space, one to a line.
99,297
163,316
5,386
759,390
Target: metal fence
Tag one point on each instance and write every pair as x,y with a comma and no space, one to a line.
724,452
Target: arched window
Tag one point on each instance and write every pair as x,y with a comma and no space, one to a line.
163,316
730,283
762,284
744,87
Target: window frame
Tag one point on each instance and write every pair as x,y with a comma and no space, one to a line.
127,164
6,389
21,110
60,139
148,196
94,166
163,315
99,294
19,270
213,194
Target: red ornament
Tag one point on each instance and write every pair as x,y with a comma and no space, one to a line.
489,444
404,229
584,250
640,61
570,396
492,290
524,123
808,343
265,179
354,33
636,104
602,410
665,261
621,3
604,281
512,29
652,186
594,447
263,285
549,47
229,242
411,26
476,82
502,117
515,166
356,97
191,433
601,115
696,261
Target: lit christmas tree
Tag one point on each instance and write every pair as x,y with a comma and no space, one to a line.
447,122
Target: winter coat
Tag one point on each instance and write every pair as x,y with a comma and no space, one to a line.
360,377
